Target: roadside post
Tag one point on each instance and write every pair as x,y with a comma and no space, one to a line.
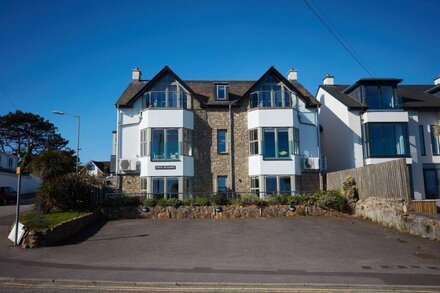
17,209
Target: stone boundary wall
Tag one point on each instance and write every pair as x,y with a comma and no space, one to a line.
58,233
393,213
209,212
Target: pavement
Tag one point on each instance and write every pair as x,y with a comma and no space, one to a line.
327,252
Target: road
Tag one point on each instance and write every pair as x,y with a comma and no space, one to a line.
303,250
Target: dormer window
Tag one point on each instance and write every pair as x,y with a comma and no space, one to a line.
381,97
222,92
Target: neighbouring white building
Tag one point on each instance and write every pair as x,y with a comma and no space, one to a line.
179,137
377,120
8,176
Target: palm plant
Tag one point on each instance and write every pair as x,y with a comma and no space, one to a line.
52,164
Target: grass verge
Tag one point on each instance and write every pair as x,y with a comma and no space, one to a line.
40,221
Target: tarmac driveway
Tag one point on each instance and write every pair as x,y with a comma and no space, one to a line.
336,250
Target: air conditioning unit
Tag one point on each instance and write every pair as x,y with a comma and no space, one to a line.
311,164
129,165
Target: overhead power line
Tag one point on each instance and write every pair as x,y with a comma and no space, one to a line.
338,36
8,97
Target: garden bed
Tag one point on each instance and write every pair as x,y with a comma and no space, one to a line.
51,229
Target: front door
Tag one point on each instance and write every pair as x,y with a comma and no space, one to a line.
431,183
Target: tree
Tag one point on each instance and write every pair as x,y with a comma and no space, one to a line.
51,164
24,129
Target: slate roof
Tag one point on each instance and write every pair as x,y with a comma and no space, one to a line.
204,90
413,96
101,164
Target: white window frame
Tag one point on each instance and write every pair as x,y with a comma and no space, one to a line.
225,89
144,142
253,141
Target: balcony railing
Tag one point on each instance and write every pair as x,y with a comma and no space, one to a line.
272,99
166,99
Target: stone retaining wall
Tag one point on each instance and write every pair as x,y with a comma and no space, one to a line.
208,212
58,233
394,213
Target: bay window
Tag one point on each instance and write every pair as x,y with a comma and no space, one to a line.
165,144
253,142
277,185
165,187
276,143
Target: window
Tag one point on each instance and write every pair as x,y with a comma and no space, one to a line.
255,185
295,148
271,184
422,141
253,142
11,163
430,178
278,184
222,184
271,94
387,140
143,185
285,185
158,188
222,92
165,144
381,97
167,187
187,142
143,142
221,140
167,93
276,143
91,167
434,142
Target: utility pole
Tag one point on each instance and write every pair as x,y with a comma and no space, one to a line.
17,208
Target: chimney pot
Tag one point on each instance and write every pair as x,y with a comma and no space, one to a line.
437,80
292,75
328,80
136,74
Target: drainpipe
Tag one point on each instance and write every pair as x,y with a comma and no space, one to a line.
231,151
117,150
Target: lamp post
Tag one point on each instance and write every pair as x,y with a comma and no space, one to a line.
79,127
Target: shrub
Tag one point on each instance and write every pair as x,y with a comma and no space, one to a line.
307,199
51,164
171,202
220,199
121,201
279,200
150,202
331,199
68,192
187,202
248,200
201,201
349,189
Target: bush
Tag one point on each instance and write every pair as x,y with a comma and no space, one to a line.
220,199
68,192
150,202
171,202
248,200
305,199
331,199
279,200
201,201
187,202
121,201
349,189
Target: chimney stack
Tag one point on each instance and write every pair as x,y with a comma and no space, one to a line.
292,75
328,80
437,80
136,74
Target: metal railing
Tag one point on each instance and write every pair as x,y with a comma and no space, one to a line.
166,99
272,99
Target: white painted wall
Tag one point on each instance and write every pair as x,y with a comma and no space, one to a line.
184,167
4,161
177,118
308,132
338,136
271,118
258,166
385,116
29,183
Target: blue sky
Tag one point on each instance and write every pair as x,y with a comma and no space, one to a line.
77,56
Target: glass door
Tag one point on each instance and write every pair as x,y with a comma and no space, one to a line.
431,183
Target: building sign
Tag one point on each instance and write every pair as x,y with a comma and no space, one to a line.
167,167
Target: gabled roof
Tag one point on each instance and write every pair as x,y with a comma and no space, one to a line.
295,87
204,90
413,96
128,99
101,165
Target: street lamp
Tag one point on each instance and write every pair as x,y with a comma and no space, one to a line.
79,127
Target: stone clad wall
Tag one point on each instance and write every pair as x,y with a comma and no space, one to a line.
394,213
130,183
